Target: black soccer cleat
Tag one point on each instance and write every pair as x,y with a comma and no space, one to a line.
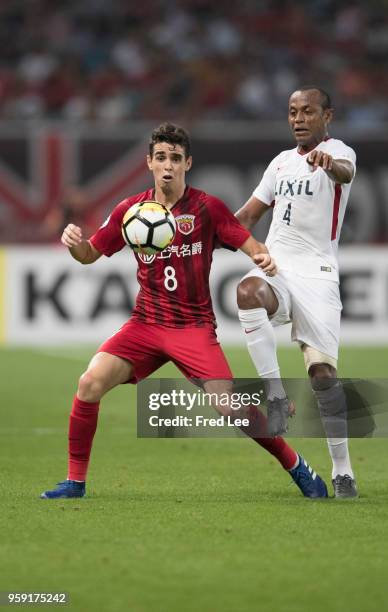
344,487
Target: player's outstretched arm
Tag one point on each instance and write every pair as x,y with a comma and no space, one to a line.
260,256
251,212
339,170
80,249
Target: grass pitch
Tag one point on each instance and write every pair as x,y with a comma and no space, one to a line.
181,525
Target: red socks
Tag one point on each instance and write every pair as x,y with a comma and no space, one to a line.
278,447
83,424
82,427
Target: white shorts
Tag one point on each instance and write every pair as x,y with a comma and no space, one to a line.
313,305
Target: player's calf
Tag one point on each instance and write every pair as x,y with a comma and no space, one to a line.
332,405
331,399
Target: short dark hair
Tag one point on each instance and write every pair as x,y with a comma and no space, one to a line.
173,134
325,97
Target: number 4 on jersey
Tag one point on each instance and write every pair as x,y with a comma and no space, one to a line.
287,214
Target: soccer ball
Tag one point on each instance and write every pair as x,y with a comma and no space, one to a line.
148,227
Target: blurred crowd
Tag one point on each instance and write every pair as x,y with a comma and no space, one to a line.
118,59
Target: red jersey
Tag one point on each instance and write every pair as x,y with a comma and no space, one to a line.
174,284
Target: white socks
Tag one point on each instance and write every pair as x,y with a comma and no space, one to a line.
339,453
261,344
333,410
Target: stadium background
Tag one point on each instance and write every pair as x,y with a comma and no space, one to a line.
81,86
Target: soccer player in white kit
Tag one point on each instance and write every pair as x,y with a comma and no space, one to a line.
308,187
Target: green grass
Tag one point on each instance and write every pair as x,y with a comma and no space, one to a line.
181,525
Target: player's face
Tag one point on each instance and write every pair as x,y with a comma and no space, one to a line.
169,166
307,119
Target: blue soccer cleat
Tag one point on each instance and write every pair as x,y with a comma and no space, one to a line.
307,480
66,488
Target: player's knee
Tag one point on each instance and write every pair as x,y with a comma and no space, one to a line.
251,293
322,374
323,382
318,364
90,388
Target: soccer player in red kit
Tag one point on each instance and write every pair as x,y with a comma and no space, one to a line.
173,318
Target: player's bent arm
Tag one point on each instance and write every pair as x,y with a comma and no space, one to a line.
259,254
338,170
342,171
80,249
253,247
251,212
85,253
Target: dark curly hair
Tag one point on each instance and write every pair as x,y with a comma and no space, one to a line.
173,134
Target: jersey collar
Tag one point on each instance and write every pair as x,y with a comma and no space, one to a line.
312,148
182,199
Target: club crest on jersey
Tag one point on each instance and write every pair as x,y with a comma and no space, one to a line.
147,259
185,223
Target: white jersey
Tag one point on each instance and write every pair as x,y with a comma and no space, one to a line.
308,211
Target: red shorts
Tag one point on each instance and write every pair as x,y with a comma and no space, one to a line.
194,350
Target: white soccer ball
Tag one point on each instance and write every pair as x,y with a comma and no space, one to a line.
148,227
